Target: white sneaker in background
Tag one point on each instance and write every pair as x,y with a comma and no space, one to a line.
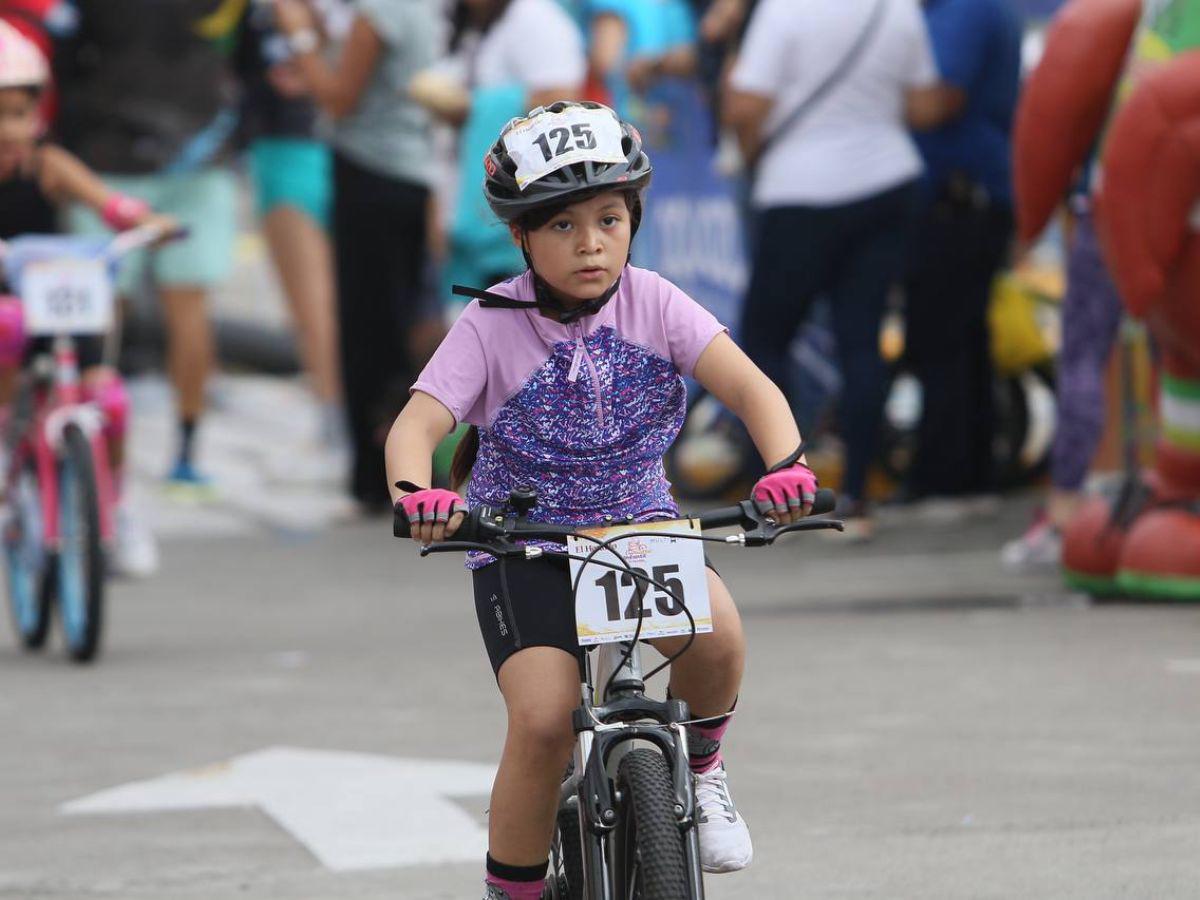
1038,549
135,550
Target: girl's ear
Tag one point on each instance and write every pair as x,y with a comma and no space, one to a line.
514,231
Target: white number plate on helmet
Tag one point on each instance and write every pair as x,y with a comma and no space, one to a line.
67,296
548,141
610,602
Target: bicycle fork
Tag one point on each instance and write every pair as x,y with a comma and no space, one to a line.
607,724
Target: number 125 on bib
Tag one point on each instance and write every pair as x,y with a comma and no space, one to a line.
666,580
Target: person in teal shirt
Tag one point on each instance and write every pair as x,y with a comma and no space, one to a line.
634,43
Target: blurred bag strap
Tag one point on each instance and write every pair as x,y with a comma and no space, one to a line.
835,77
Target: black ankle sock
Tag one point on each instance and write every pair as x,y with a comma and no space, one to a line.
517,873
187,436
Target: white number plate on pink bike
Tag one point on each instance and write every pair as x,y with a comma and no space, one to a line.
67,296
610,602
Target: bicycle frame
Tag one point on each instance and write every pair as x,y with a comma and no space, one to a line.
54,397
51,397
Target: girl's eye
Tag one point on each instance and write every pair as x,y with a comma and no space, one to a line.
561,225
610,221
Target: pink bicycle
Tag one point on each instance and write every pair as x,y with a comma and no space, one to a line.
57,480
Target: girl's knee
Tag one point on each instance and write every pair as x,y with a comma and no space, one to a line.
108,391
543,729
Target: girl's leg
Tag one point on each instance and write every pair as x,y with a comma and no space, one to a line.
103,385
541,688
709,675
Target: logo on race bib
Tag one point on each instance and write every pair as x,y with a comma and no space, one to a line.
550,141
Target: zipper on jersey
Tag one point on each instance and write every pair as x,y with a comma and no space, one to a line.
582,356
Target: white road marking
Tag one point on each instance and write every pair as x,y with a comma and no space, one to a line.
353,811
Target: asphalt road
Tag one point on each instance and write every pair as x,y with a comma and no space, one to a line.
914,724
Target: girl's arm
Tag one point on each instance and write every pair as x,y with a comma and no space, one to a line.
415,434
67,180
729,375
336,89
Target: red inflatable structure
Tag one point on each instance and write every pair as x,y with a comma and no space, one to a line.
1112,69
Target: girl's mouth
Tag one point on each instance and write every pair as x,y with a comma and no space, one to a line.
591,274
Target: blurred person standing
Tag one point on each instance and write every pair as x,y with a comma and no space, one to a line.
292,172
820,97
633,44
382,163
960,244
148,102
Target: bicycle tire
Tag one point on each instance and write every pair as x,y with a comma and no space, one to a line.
571,853
29,586
79,581
653,862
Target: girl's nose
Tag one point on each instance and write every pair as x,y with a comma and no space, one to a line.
589,240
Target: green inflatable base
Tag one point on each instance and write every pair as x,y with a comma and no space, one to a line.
1133,584
1095,585
1159,587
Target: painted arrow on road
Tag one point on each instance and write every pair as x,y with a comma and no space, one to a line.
353,811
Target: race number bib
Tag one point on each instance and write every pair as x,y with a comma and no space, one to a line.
548,141
67,296
609,603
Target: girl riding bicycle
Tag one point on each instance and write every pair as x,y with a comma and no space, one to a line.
37,177
571,377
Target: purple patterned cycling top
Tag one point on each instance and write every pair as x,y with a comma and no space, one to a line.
582,413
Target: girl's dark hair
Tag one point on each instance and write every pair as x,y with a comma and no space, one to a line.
464,458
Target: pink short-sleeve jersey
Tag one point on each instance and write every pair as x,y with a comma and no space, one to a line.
584,412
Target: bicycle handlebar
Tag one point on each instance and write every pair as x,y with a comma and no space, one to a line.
487,528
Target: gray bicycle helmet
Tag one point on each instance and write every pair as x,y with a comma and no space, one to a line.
510,201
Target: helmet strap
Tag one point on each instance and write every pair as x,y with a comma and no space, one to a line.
545,298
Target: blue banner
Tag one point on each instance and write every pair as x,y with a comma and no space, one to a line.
692,233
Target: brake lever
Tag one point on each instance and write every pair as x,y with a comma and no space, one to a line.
765,535
497,549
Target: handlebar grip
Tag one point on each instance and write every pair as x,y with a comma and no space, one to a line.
825,502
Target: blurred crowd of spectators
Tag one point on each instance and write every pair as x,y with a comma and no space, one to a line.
863,142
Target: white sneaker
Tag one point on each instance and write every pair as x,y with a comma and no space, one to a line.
724,838
1038,549
135,551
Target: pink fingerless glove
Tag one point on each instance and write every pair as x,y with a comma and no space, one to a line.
121,212
790,488
431,505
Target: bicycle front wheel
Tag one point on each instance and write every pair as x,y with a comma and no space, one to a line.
28,582
652,863
80,569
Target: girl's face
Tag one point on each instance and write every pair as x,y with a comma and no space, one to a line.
582,250
19,127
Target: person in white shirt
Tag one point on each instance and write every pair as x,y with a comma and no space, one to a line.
821,99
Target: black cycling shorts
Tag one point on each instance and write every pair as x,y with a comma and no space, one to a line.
527,603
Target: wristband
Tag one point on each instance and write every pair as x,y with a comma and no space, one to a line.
121,212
